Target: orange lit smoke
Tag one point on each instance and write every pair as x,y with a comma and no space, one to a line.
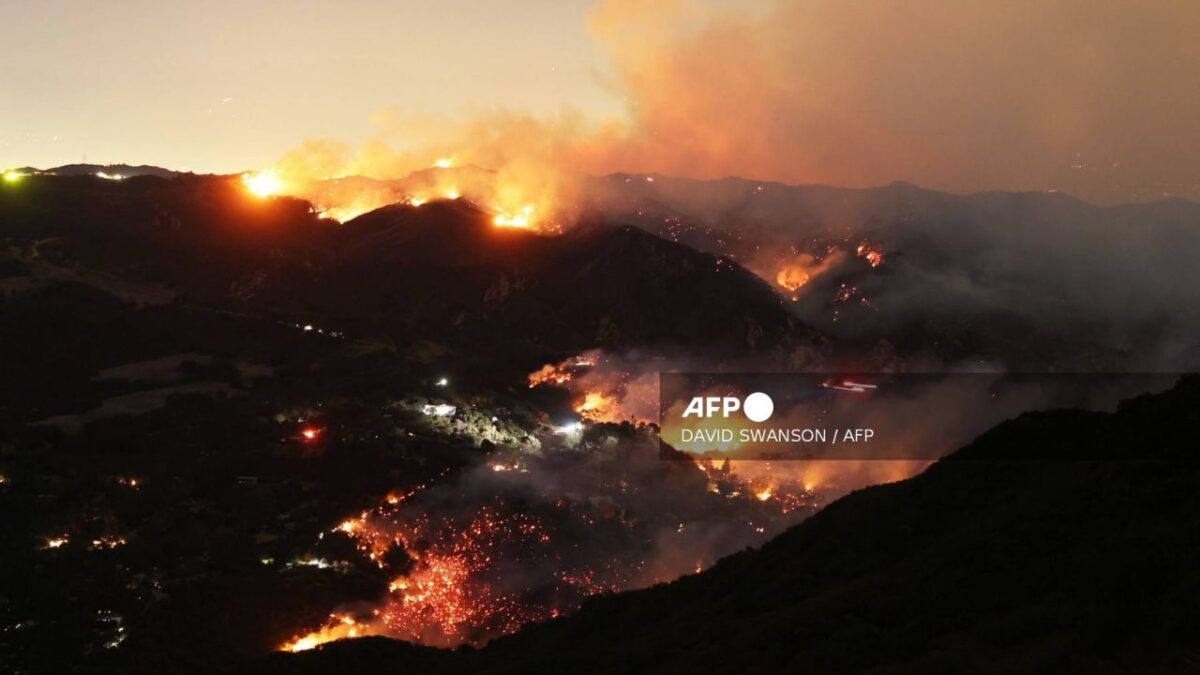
514,166
787,91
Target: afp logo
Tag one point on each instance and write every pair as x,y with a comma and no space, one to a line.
757,407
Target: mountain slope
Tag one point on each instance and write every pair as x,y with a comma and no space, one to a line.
445,271
977,565
440,272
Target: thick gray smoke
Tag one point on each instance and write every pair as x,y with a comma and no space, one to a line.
1020,281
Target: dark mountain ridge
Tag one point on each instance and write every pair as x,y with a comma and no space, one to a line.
441,271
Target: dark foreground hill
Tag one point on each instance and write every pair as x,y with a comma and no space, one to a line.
977,565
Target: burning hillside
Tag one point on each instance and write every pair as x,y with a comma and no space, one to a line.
514,197
526,537
604,387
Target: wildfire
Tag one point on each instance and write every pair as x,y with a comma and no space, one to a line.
263,184
598,406
784,487
871,254
791,277
795,273
450,591
560,373
845,293
341,626
466,576
604,388
107,542
522,218
344,213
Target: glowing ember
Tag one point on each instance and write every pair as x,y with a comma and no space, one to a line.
341,626
597,406
467,576
107,542
452,591
871,254
552,374
263,183
521,219
798,271
791,277
845,293
604,390
559,373
310,433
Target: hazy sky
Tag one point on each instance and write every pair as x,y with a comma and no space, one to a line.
1099,98
221,85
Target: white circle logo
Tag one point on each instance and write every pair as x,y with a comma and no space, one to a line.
758,407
